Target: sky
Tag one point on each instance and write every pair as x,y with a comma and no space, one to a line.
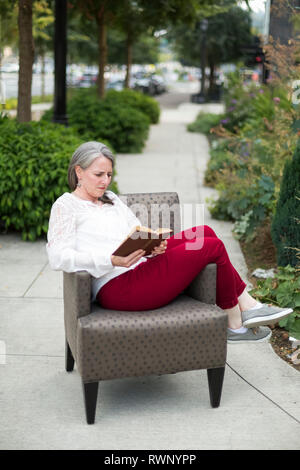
256,5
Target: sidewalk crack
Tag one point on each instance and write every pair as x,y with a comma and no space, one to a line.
263,394
31,284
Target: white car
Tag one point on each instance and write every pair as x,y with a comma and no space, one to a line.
10,68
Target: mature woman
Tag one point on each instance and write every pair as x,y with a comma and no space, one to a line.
89,223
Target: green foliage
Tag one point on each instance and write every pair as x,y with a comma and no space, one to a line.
285,228
220,158
227,32
246,163
34,159
283,290
247,205
204,122
249,107
137,100
125,126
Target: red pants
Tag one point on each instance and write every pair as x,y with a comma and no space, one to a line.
160,279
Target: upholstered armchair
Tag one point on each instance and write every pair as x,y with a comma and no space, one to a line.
187,334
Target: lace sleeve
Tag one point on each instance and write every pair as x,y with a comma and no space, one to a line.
61,246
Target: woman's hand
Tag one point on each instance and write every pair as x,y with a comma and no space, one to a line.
160,249
127,261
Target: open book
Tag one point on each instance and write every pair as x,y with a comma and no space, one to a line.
142,238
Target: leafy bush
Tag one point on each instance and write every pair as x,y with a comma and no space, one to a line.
251,105
204,122
283,290
124,126
285,228
34,159
220,158
137,100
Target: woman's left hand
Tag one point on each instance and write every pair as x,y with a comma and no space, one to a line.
160,249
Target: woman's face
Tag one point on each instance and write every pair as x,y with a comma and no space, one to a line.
96,178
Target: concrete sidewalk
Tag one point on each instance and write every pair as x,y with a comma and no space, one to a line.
42,405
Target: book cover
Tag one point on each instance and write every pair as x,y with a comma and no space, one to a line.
142,238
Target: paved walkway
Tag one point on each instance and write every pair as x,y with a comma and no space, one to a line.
42,405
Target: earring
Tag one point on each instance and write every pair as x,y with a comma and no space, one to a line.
79,184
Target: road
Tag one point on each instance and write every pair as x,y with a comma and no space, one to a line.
11,84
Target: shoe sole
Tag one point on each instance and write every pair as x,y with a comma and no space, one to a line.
268,319
243,341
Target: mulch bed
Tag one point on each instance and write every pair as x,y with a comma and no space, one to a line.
283,347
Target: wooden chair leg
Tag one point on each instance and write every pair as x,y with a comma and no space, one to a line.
69,359
215,383
90,391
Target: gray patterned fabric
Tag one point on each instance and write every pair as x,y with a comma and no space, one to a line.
184,335
77,303
153,209
187,334
204,286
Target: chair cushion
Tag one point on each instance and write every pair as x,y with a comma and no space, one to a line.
184,335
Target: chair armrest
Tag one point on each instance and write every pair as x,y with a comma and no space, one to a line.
77,293
203,287
77,303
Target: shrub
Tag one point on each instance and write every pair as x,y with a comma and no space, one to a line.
285,226
204,122
137,100
125,127
247,200
34,159
284,291
220,158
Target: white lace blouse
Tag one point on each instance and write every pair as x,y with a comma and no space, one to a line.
82,235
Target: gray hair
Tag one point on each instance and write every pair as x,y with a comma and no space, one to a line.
84,156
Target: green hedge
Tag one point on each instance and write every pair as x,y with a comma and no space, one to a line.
122,117
137,100
34,159
285,230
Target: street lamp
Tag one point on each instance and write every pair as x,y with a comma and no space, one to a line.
200,97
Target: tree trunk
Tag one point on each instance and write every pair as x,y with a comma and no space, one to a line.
128,62
102,48
26,57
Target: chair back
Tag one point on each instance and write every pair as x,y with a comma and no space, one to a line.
155,209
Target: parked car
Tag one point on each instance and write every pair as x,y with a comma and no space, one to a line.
10,68
115,85
150,84
86,80
159,83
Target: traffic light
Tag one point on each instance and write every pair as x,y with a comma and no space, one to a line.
253,53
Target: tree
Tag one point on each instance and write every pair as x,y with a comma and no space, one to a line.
144,51
43,17
26,57
102,12
226,34
8,25
129,20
